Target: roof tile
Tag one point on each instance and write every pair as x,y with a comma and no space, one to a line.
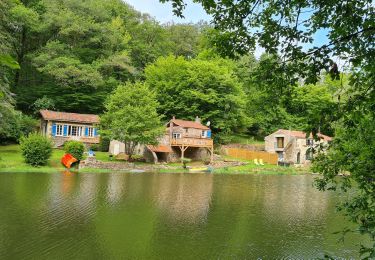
69,117
189,124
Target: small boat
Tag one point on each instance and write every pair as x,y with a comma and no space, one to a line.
67,160
201,169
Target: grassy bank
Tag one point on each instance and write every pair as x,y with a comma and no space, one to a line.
251,168
11,160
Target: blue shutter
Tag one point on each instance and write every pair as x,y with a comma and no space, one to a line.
87,131
54,129
209,134
65,130
95,132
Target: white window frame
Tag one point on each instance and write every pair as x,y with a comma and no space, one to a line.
176,135
204,133
78,130
90,131
59,130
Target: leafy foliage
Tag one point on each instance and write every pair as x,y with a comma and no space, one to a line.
36,149
199,87
75,148
43,103
131,116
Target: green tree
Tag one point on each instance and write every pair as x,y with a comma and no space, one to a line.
199,87
131,116
284,27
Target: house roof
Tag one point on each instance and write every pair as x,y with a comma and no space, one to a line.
159,148
301,134
69,117
189,124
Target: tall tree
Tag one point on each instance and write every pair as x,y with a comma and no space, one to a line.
199,87
131,116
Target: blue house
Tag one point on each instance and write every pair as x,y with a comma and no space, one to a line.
62,127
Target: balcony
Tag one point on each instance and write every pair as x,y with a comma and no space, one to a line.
195,142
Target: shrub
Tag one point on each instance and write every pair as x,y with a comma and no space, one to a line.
137,158
94,147
104,143
27,124
36,149
75,148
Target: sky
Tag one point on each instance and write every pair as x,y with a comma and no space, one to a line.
163,12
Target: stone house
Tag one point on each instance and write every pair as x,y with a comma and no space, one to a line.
62,127
181,139
293,146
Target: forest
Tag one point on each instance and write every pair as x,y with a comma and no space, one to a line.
70,55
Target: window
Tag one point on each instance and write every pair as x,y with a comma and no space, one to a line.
204,134
280,142
90,131
309,141
59,130
74,130
176,135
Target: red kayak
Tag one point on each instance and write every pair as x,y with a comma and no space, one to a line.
68,160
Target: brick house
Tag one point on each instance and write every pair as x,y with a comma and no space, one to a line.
181,139
62,127
293,146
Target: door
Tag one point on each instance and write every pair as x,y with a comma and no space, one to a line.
116,149
298,158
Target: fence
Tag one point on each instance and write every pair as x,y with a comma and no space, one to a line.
270,158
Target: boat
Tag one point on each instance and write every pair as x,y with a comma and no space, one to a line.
201,169
67,160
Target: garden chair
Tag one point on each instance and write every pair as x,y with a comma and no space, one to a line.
261,162
256,162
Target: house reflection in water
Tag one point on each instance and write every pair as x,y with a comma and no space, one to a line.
184,198
116,187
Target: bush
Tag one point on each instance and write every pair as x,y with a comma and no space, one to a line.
137,158
104,143
27,124
75,148
94,147
36,149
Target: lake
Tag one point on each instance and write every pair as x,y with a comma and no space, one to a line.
168,216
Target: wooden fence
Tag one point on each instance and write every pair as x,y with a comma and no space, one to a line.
270,158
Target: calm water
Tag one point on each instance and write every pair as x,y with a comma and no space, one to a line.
167,216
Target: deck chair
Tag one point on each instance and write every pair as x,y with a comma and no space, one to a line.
256,162
261,162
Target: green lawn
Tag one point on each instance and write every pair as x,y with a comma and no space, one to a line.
11,160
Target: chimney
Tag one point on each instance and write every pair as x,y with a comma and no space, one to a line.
197,119
173,117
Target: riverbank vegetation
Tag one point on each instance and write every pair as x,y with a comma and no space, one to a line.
11,160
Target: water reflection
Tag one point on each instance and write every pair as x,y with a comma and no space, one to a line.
164,216
184,198
116,187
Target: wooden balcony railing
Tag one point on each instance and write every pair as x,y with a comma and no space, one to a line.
197,142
